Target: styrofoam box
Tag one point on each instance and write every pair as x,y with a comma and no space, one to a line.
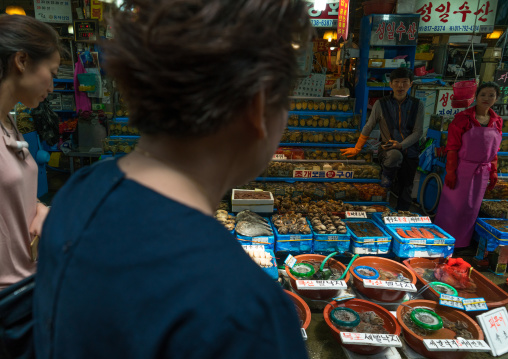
255,205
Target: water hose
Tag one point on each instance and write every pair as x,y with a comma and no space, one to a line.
349,266
327,258
422,192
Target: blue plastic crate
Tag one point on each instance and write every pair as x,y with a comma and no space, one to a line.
329,243
369,245
421,247
293,243
490,235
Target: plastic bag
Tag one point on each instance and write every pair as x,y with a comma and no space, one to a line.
455,272
46,123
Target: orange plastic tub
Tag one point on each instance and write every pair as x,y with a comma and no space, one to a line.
361,306
494,296
302,309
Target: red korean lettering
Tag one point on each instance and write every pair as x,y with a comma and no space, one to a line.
411,31
390,29
401,30
381,31
444,99
96,13
330,174
298,174
425,12
464,10
444,10
483,12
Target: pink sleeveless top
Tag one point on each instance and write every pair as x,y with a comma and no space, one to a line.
18,202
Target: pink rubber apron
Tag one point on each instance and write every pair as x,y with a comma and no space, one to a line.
459,207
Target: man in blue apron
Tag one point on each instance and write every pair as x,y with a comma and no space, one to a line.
400,119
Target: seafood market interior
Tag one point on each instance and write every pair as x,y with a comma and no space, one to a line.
383,214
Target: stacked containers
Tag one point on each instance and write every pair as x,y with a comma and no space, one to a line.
293,243
489,236
369,244
440,245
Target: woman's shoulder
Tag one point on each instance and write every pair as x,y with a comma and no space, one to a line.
462,118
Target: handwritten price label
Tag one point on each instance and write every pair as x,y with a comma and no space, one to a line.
290,261
384,284
384,340
279,156
451,301
474,304
320,284
453,345
356,214
248,247
407,220
261,239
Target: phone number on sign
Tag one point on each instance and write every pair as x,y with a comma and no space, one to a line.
432,28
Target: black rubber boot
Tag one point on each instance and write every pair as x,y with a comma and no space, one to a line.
387,176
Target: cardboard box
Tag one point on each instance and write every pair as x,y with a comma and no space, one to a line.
377,63
492,54
255,205
376,54
487,71
394,62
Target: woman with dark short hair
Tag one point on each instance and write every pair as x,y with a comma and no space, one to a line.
29,59
474,137
132,263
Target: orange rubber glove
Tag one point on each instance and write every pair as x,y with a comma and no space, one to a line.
493,175
353,151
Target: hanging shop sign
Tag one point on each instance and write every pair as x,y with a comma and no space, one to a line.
326,18
394,30
456,16
501,78
444,103
323,174
343,23
56,11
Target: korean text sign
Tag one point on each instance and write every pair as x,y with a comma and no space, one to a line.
394,30
456,16
58,11
501,78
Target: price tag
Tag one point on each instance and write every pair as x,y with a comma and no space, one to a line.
377,340
290,261
295,237
418,242
249,247
494,324
377,198
439,241
344,295
279,156
453,345
261,239
451,301
333,238
474,304
304,334
356,214
385,284
395,220
407,220
320,284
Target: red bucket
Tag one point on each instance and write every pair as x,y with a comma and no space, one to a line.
464,90
462,103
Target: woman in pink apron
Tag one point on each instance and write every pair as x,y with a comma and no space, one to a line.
474,137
